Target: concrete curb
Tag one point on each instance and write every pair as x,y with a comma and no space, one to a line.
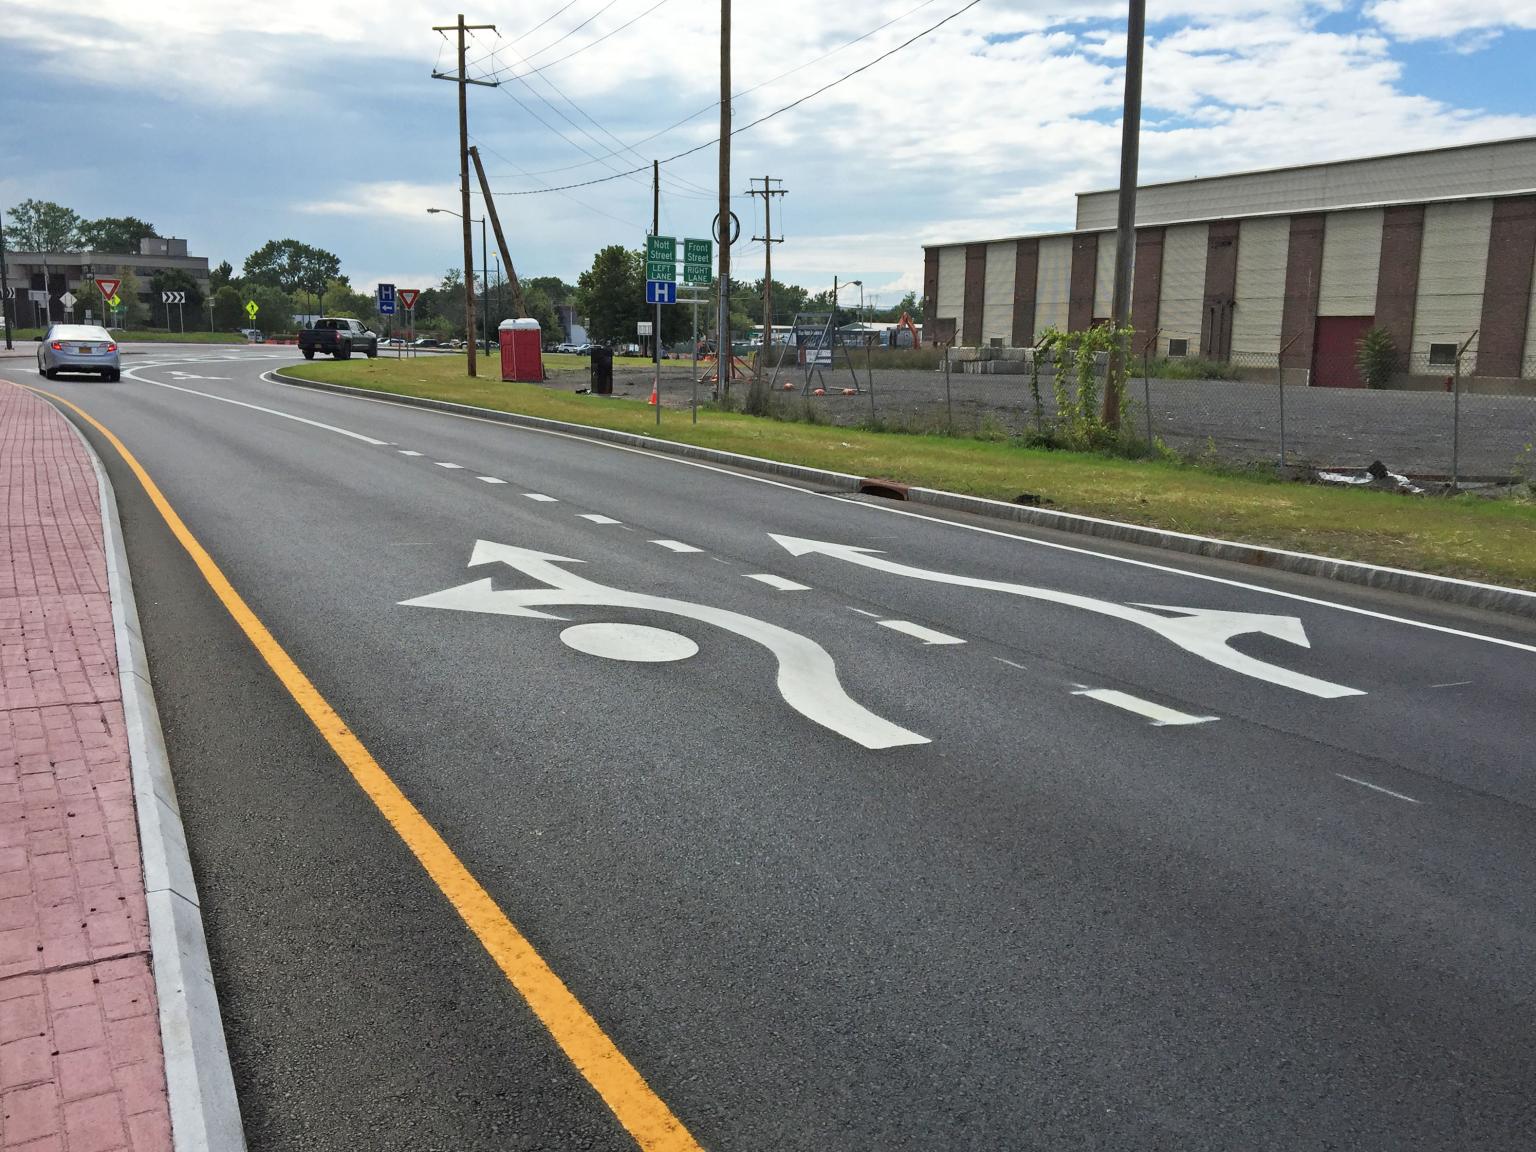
1470,593
205,1113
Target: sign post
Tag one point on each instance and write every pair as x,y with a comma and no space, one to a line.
660,288
407,299
108,290
179,299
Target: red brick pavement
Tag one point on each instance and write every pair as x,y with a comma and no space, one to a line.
81,1068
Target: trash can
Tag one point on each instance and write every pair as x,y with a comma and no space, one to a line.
522,350
602,370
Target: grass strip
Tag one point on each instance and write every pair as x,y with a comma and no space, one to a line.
1469,537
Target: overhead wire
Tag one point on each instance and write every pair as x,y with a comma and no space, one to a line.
589,44
563,192
746,91
761,119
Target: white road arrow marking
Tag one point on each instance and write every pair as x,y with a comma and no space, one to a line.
1161,717
807,674
1199,631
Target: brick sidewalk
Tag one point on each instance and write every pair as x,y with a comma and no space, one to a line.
81,1067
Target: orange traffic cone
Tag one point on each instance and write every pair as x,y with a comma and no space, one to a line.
818,392
652,400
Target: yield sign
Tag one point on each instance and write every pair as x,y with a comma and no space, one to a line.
108,288
407,297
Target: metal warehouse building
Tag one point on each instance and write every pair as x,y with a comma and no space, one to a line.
1286,266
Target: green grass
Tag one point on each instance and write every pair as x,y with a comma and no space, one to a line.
1465,537
150,335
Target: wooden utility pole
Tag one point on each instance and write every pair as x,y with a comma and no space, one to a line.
501,241
723,321
1125,232
767,192
463,81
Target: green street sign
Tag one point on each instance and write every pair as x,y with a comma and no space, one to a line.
698,261
661,258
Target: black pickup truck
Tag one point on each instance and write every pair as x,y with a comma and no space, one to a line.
339,337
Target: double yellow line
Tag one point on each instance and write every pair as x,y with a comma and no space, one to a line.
636,1106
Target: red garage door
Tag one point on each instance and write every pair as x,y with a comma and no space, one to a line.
1333,352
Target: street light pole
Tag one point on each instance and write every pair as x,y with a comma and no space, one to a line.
485,281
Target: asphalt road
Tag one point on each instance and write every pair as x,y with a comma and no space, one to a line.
890,861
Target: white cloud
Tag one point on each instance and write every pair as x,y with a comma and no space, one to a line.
1471,23
397,199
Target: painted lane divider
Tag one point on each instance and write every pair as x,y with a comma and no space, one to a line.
407,452
132,374
1203,632
676,546
599,518
778,582
491,479
1160,716
1378,788
1010,664
807,675
445,464
541,498
927,635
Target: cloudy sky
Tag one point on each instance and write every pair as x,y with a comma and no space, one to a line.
231,124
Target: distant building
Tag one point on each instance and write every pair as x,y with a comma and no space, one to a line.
575,330
55,273
1437,247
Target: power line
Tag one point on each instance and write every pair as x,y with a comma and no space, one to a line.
761,119
563,192
746,91
584,47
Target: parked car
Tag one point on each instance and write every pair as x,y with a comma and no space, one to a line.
253,335
78,348
425,342
338,336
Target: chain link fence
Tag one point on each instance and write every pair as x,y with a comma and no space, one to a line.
1437,418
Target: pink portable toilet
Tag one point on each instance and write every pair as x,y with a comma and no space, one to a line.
522,350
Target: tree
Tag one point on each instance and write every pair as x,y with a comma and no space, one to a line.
912,305
539,307
42,226
346,302
1376,357
555,289
293,267
119,234
228,309
220,276
611,293
131,313
275,308
176,280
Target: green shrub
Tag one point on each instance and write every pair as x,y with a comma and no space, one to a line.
1376,357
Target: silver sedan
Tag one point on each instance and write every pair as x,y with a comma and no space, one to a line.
78,348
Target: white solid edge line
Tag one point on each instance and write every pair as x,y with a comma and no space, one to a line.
1229,582
200,1085
132,374
1377,788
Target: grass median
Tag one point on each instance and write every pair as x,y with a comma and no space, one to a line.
1468,536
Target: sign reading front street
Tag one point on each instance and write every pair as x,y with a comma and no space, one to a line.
698,258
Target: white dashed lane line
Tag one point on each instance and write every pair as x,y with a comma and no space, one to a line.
1378,788
599,518
676,546
407,452
1010,663
778,582
540,497
445,464
926,635
491,479
1160,716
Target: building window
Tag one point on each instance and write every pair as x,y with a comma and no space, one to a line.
1178,348
1442,355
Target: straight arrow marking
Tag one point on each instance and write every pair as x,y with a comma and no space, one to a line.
1160,716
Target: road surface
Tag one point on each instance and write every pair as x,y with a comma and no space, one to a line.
977,840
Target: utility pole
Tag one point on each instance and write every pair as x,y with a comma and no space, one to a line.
463,81
1125,232
656,325
767,192
723,323
501,241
